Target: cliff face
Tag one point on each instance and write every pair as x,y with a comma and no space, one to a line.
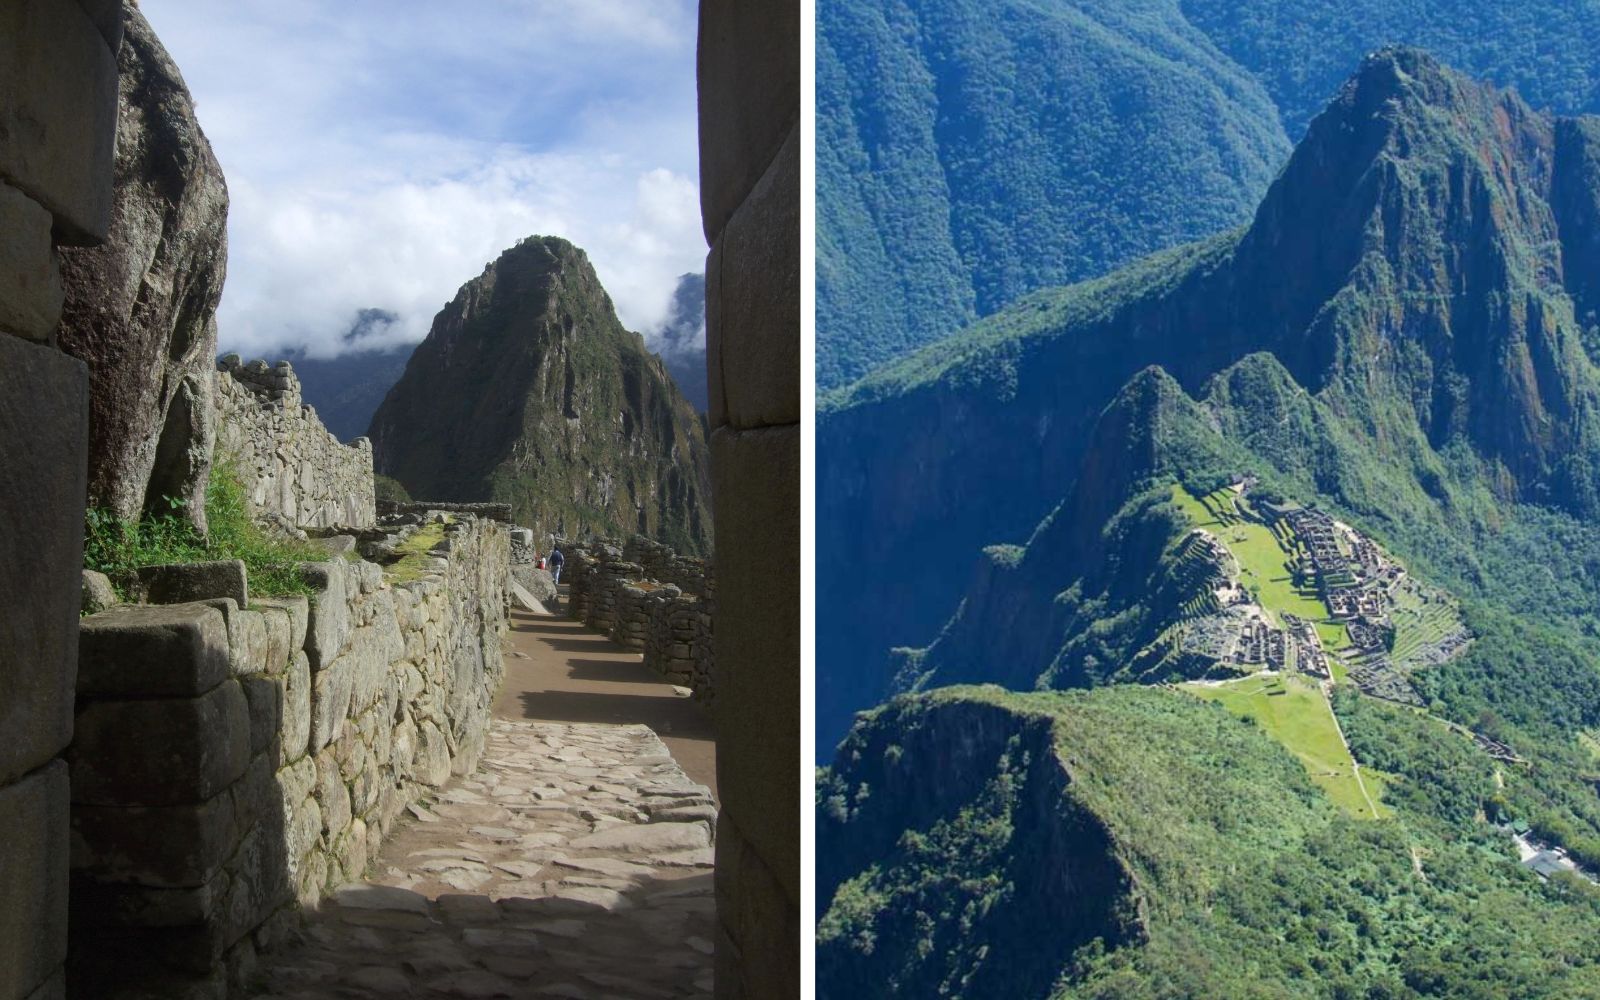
971,152
529,391
1024,868
1419,268
141,309
970,841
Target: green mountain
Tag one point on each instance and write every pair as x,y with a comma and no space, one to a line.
969,153
529,391
1133,842
1421,275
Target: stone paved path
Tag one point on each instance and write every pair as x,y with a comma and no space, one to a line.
576,862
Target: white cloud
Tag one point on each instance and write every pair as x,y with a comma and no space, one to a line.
379,154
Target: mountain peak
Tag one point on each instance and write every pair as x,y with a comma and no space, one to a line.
529,390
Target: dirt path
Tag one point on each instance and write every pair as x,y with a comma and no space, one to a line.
1355,767
559,671
576,862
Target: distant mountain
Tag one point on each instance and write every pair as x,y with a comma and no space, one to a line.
1276,556
347,389
970,153
528,390
681,341
1421,270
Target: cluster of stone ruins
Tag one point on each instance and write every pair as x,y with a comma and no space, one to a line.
1354,579
647,597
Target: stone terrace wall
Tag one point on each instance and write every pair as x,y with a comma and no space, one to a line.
646,605
748,72
230,763
290,464
492,511
58,121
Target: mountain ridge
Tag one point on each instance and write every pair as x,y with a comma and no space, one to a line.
1427,305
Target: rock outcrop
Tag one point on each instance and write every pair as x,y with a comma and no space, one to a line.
1045,874
529,391
141,309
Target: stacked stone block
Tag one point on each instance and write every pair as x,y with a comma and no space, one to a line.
631,629
678,645
662,563
58,106
749,86
605,582
290,465
577,574
630,602
177,828
241,761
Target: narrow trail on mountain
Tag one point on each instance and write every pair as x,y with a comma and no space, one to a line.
1355,765
576,861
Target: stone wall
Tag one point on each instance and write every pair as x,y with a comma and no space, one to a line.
677,643
749,83
647,605
663,563
289,463
231,764
58,106
493,511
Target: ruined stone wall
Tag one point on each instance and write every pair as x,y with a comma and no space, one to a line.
663,563
58,106
647,605
289,463
493,511
749,83
677,642
231,764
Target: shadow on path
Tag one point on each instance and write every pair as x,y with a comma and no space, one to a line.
604,682
575,862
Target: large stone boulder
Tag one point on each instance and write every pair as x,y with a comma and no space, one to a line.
538,582
141,309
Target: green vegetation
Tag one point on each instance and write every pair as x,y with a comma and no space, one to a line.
969,154
117,547
388,488
993,156
1293,711
415,553
1247,882
1335,376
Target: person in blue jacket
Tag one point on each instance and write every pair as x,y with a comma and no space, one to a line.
556,561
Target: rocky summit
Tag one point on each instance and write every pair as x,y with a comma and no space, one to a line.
529,391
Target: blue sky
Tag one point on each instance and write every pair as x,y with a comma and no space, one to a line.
380,152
